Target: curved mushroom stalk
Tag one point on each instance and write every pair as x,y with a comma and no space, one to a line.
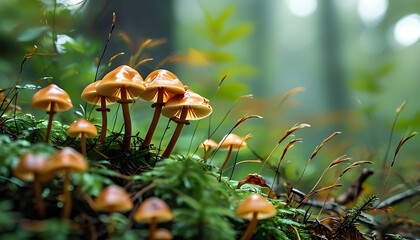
158,109
127,119
251,227
177,132
103,109
227,157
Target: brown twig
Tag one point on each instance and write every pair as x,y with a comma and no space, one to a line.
354,190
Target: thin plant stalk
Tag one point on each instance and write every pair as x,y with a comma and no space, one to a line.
50,119
127,119
251,227
103,110
176,134
83,143
158,109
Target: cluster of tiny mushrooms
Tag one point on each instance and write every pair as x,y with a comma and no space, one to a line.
171,99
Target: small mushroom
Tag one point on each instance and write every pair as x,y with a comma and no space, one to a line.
66,161
254,208
208,146
153,211
162,234
113,199
84,129
51,99
231,142
90,95
161,85
180,109
29,168
125,83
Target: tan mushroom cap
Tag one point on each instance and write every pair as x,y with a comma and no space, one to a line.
232,140
29,165
122,76
82,126
113,199
67,159
209,144
162,79
52,93
255,203
198,107
162,234
90,95
153,208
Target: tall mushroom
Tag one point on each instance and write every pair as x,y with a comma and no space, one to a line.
208,146
90,95
161,85
84,129
231,142
66,161
51,99
153,211
180,109
254,208
127,84
30,168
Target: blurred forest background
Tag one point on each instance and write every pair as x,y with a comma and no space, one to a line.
357,61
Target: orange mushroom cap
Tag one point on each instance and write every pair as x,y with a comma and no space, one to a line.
29,165
122,76
67,159
209,144
232,140
162,234
52,93
162,79
113,199
153,208
198,107
255,203
90,95
82,126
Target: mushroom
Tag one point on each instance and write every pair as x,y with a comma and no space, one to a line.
66,161
84,129
254,208
51,99
29,168
162,234
180,109
208,146
127,84
161,85
231,142
153,211
90,95
113,199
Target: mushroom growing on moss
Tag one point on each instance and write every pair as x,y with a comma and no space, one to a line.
161,85
180,109
90,95
84,129
231,142
127,84
66,161
113,199
51,99
30,168
254,208
153,211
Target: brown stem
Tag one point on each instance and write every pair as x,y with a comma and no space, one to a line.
251,226
50,119
152,228
104,120
156,116
177,132
206,154
83,143
227,157
38,197
67,196
127,120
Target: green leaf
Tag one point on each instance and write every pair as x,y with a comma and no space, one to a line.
236,32
219,56
32,33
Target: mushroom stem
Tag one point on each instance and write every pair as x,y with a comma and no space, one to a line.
227,157
206,153
50,119
38,197
251,226
83,143
177,133
153,124
127,120
67,196
152,228
103,109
